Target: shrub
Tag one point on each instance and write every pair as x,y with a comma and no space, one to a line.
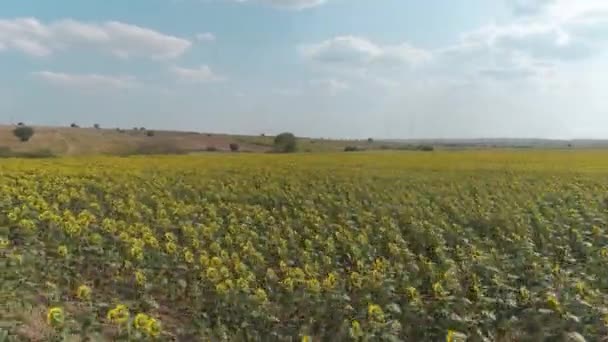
370,140
20,124
24,133
96,126
425,148
211,149
150,133
285,143
353,149
234,147
74,125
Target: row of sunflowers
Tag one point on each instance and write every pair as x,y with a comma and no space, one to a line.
361,247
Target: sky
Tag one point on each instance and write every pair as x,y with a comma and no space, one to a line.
393,69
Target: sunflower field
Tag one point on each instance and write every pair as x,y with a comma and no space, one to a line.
410,246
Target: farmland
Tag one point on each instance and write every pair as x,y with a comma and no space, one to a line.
485,245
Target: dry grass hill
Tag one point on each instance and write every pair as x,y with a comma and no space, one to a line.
82,141
71,141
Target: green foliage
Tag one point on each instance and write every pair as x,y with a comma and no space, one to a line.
285,143
23,133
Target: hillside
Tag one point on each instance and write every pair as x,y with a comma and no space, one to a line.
84,141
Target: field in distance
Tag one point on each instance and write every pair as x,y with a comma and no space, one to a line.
450,245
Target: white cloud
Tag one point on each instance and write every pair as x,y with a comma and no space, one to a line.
543,37
330,86
86,80
361,61
507,73
35,38
547,34
528,7
288,4
205,37
568,10
201,74
30,47
537,40
359,51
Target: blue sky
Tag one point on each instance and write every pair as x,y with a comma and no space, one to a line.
328,68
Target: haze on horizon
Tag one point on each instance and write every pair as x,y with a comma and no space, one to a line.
396,69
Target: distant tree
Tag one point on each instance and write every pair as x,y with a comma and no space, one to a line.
20,124
142,128
211,149
96,126
24,133
234,147
150,133
263,135
370,140
74,125
285,142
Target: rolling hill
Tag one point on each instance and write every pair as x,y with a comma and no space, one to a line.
83,141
